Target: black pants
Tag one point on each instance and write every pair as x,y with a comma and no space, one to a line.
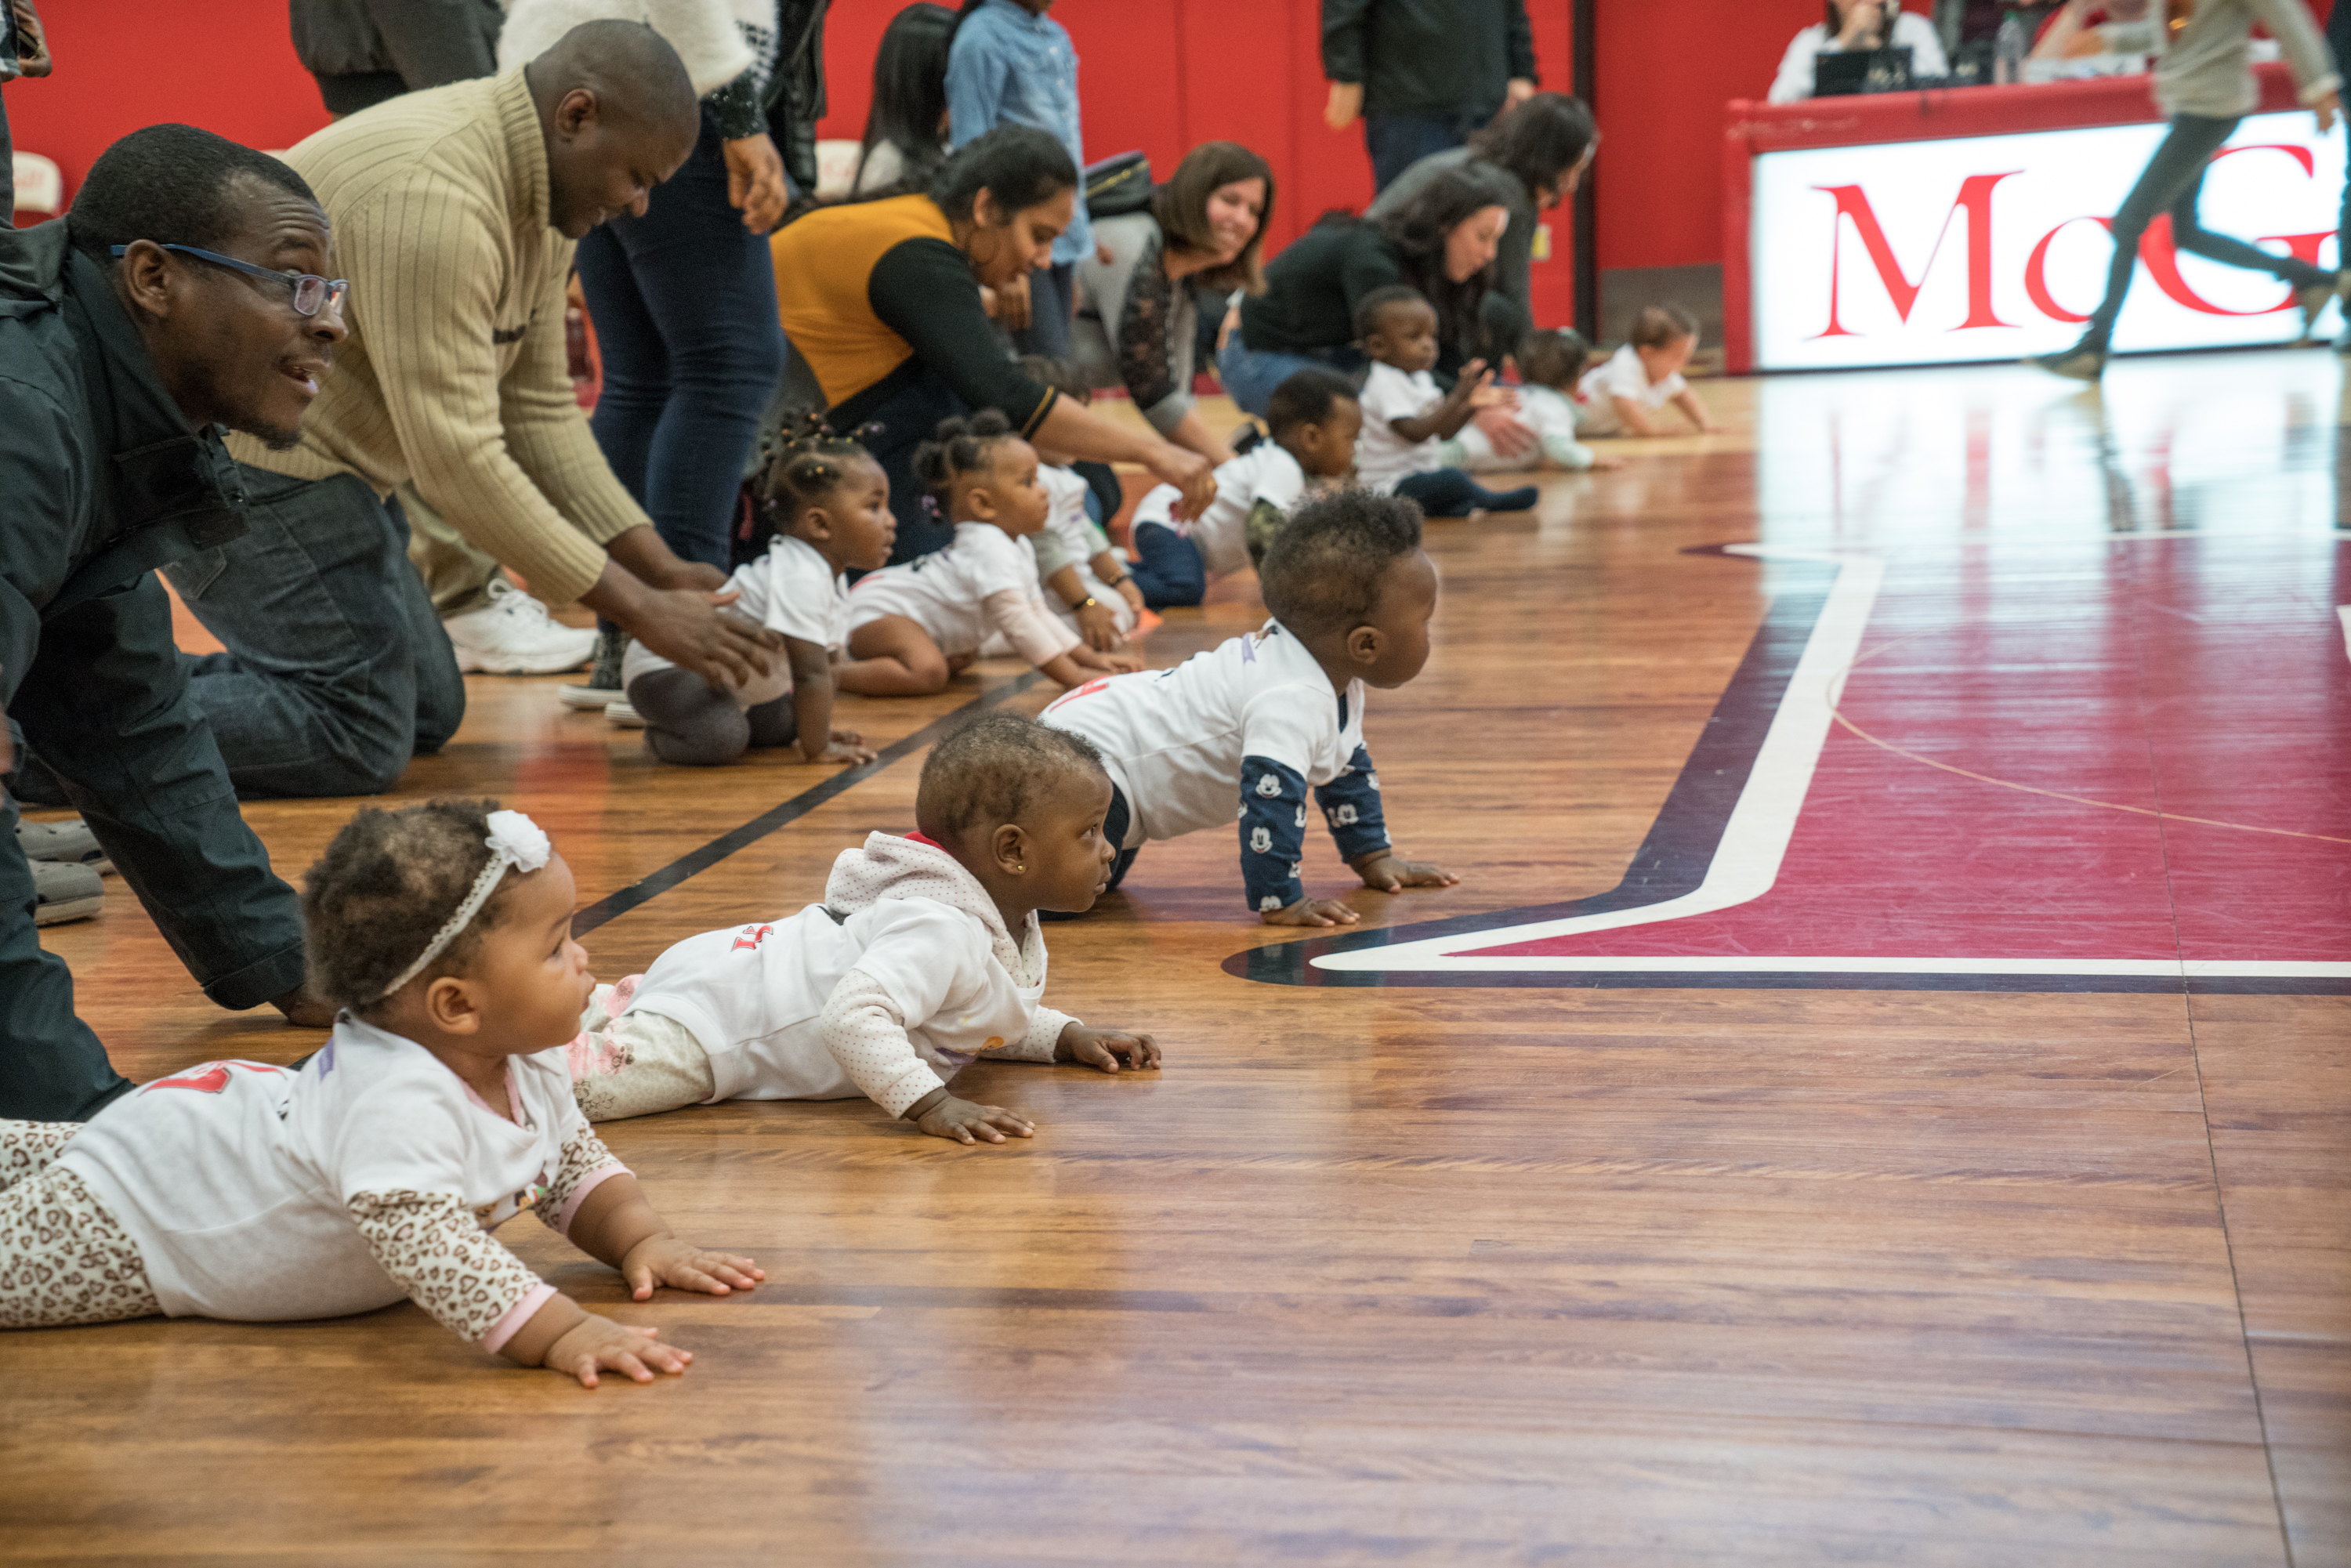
1450,493
2173,181
105,700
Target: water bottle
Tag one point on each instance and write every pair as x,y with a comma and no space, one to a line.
2009,48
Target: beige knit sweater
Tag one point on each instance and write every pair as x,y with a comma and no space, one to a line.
455,375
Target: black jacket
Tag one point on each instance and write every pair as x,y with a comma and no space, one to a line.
795,96
1451,58
102,479
426,43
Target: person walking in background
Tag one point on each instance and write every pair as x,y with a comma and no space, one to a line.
1422,74
2204,82
365,52
23,52
2338,42
906,127
683,297
1010,63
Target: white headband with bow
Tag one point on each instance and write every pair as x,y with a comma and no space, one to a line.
513,841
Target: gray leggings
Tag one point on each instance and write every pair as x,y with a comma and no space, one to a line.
2173,181
688,723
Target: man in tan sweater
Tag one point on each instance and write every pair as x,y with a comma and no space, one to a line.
454,212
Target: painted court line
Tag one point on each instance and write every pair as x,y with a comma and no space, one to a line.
694,864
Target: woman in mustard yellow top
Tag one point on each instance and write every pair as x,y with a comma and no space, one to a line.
882,300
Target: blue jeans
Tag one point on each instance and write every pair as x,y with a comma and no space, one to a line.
683,300
1450,493
1167,567
337,669
1397,141
2173,181
1051,303
1249,375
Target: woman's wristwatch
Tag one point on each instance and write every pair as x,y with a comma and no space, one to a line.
1088,602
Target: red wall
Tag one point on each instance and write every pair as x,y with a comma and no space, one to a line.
1160,75
1664,69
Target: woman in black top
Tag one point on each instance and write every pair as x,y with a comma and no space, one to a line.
880,301
1442,243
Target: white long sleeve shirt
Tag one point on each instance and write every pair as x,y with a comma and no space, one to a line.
934,980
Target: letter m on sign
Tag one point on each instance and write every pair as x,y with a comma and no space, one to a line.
1974,199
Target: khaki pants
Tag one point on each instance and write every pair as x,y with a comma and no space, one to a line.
456,572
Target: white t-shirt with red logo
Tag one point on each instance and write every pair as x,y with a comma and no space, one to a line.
233,1179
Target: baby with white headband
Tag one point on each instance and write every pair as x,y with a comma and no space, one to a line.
441,1107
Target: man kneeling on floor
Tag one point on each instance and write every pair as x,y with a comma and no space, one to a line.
181,294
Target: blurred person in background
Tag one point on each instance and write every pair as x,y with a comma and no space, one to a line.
1422,74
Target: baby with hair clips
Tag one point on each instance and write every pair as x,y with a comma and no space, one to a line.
924,957
921,622
1277,712
824,504
440,1108
1552,362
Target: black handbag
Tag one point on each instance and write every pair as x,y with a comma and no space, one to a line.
1120,184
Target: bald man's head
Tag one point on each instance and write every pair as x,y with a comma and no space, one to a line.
619,114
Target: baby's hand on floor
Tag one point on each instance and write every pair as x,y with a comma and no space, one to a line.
667,1260
968,1124
1384,872
596,1343
1312,911
1105,1047
840,751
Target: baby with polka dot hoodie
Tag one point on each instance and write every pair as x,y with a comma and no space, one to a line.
908,972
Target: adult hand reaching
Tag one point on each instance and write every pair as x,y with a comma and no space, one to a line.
1189,472
755,182
1509,434
2327,108
692,629
1346,102
1012,305
1520,89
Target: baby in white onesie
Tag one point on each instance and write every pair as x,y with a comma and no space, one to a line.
924,957
1551,363
379,1170
921,622
825,504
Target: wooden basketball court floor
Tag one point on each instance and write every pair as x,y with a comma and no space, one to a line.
1880,1093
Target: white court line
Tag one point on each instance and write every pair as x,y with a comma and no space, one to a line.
1755,840
2343,612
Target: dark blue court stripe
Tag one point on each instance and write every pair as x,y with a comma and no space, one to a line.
644,891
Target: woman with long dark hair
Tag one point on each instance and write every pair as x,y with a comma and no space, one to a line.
1136,322
1544,145
1442,242
881,298
906,129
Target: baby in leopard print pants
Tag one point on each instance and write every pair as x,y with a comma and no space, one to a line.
441,1107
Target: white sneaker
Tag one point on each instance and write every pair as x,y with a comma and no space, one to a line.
621,714
516,636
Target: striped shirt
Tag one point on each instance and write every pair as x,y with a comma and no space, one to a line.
455,375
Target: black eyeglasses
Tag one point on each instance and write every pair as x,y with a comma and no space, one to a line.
311,292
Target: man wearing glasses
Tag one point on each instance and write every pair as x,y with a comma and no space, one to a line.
184,294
